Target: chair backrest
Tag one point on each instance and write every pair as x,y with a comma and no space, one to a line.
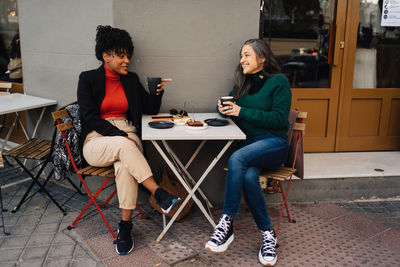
5,87
295,139
11,87
68,125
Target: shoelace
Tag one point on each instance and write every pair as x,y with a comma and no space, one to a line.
221,230
268,246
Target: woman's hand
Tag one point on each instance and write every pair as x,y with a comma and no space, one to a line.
160,86
231,109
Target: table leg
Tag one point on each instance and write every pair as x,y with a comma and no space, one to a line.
9,133
192,191
184,168
38,122
185,185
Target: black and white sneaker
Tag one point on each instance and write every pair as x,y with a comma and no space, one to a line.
222,236
165,200
267,255
124,243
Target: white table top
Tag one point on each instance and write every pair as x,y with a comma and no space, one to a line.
10,103
181,132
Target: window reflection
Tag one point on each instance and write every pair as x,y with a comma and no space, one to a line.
300,36
10,55
378,49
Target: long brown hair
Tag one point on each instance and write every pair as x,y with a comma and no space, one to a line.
271,67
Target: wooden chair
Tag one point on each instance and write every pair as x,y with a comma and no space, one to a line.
107,172
40,151
295,160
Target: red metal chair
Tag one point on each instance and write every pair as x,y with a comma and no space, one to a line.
106,172
293,166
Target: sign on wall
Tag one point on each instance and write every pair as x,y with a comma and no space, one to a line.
390,13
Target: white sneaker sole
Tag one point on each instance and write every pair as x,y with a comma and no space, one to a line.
219,249
264,262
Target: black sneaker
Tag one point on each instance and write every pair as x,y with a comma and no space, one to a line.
267,255
124,239
165,200
222,236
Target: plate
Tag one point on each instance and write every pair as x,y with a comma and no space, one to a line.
205,125
181,121
161,124
217,122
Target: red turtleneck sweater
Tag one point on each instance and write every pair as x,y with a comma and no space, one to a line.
114,103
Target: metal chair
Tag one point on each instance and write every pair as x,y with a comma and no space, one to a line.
293,166
107,172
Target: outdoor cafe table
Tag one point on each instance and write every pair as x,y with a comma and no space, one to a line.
14,103
227,133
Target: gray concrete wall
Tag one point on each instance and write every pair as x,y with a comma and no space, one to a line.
57,43
194,42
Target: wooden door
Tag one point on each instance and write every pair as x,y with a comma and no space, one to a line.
322,103
369,110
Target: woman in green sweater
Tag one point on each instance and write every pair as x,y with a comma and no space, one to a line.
261,109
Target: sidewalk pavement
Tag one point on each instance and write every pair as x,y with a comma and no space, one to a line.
359,233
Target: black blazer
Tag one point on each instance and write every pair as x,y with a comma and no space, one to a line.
91,92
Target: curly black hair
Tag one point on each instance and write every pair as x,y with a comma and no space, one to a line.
109,39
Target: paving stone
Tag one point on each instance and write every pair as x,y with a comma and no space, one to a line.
389,239
62,238
47,228
31,263
41,239
10,254
57,263
141,257
80,252
34,253
360,225
23,229
62,251
15,241
83,262
326,211
51,218
29,219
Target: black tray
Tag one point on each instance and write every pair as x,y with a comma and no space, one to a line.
161,124
216,122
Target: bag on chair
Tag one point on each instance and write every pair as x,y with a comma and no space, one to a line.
170,183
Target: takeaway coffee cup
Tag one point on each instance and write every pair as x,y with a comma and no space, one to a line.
224,99
152,83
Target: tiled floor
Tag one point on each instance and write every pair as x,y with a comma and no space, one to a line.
326,234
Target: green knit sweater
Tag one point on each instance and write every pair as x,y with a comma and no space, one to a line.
266,111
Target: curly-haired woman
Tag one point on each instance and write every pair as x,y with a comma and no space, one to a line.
112,101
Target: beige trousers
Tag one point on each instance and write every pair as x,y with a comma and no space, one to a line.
130,165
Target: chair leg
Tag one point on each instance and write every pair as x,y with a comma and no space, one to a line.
141,212
35,179
284,205
93,200
2,215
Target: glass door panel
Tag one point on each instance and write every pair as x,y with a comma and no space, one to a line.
377,59
301,36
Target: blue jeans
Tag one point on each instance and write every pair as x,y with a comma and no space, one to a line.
244,167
